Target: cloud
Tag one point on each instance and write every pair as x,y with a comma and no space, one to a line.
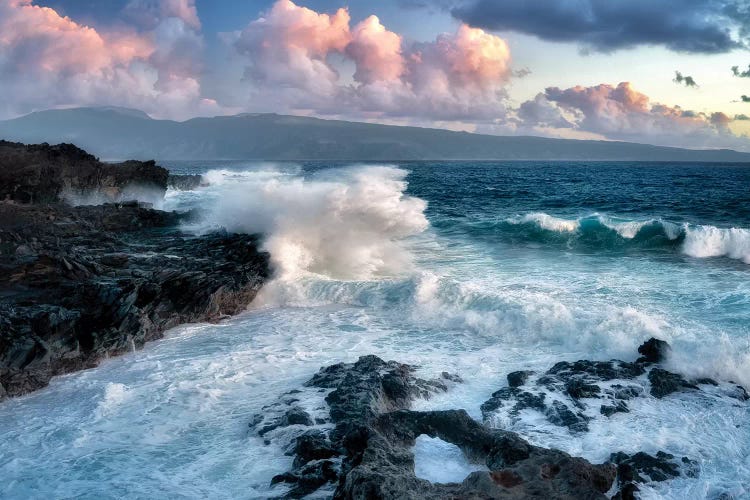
47,60
741,74
295,55
714,26
376,51
622,113
688,81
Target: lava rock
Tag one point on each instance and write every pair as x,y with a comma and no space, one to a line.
375,433
618,407
91,282
45,174
653,351
519,378
664,383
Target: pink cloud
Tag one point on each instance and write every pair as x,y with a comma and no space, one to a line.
295,56
289,45
623,113
48,60
376,52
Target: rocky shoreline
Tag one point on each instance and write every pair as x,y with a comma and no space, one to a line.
82,283
358,440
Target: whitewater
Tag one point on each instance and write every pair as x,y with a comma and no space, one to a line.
476,268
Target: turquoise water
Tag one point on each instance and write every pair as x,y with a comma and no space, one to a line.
476,268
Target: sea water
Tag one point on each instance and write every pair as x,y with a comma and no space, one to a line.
474,268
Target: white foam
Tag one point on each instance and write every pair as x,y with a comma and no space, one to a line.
626,229
346,225
440,462
710,241
550,223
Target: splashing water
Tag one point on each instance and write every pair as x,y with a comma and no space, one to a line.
550,264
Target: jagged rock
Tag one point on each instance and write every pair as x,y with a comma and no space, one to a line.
618,407
653,351
664,383
643,468
308,478
185,182
78,284
296,416
45,174
375,432
560,414
519,378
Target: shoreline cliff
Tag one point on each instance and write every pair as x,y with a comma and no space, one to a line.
82,283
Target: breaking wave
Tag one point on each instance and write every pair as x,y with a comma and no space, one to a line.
347,223
607,233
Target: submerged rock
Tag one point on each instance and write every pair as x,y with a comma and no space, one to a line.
664,383
643,468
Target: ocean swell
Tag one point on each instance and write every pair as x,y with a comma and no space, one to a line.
599,232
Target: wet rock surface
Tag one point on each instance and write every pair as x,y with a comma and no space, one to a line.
78,284
572,394
642,468
187,182
363,449
45,174
357,439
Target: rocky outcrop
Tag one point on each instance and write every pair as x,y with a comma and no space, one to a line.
78,284
571,394
363,449
352,432
45,174
185,182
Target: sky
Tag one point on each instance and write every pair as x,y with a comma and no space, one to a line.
668,72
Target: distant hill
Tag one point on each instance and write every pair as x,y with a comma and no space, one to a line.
119,133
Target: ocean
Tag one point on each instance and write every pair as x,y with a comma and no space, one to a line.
477,268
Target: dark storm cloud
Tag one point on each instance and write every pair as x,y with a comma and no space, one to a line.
741,74
608,25
681,79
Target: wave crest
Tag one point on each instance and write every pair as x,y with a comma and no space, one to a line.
346,224
601,232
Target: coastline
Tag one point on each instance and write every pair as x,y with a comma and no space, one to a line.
82,283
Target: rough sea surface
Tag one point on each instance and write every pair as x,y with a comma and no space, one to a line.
475,268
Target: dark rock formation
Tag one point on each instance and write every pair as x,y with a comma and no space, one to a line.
45,174
363,447
185,182
517,379
664,383
565,393
81,283
368,452
653,351
642,468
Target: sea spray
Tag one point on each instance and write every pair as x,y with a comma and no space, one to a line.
480,297
348,224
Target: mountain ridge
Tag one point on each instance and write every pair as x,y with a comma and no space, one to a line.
114,133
